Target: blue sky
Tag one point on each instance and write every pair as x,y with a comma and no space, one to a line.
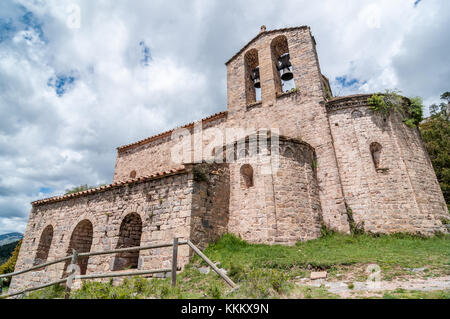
79,78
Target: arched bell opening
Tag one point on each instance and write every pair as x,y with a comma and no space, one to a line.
252,77
282,66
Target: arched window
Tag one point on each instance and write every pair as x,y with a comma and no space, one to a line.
289,152
247,176
133,174
129,236
81,241
356,114
252,77
44,246
375,150
281,64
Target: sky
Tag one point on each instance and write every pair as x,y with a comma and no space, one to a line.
80,78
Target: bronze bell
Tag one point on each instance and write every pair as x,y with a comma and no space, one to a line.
283,67
255,78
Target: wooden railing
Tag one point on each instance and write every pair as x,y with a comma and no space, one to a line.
74,257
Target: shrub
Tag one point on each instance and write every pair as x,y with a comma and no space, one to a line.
52,292
392,101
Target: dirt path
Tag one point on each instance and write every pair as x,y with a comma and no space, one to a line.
342,289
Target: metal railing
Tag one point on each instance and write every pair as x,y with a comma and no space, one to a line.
74,257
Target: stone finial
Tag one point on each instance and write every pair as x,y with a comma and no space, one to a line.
263,28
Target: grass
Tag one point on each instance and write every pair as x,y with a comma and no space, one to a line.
414,294
302,292
264,271
392,253
5,290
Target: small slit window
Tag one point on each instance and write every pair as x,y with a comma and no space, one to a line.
375,150
247,176
133,174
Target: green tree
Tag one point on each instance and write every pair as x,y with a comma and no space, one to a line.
81,188
436,135
10,264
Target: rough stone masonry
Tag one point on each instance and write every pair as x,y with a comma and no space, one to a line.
331,153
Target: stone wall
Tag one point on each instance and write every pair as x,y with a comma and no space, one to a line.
300,114
298,209
164,206
281,204
402,194
331,153
210,203
154,155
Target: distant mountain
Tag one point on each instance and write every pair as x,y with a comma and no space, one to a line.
10,238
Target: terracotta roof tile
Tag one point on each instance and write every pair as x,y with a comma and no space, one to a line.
167,133
174,171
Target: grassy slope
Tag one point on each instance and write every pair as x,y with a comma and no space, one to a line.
264,271
334,252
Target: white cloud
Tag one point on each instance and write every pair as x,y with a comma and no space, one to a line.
107,97
371,16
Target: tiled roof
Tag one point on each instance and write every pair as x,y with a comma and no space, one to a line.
168,133
142,179
261,34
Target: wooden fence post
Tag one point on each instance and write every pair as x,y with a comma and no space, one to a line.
210,263
174,261
69,280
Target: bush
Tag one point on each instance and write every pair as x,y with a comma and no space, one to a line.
52,292
392,101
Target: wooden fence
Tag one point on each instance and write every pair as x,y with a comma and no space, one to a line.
74,257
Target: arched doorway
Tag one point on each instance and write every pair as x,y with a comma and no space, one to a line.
81,241
129,236
44,246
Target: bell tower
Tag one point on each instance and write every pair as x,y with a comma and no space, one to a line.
282,67
273,63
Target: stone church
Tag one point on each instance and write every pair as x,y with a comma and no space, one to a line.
333,156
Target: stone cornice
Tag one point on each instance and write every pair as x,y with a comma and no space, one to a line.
348,101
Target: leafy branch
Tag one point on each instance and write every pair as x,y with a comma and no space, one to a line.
392,101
